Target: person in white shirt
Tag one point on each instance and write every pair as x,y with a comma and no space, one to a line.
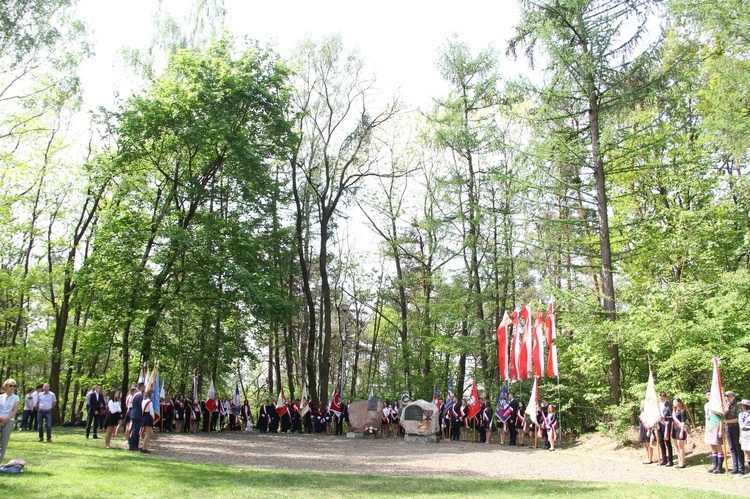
45,403
114,416
29,402
147,412
8,408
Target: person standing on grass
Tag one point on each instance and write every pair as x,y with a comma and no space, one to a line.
731,419
113,418
745,429
45,403
679,431
664,427
512,428
147,418
136,417
645,435
713,438
8,408
521,423
385,419
29,402
550,424
95,403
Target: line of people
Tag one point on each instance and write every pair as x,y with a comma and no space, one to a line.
292,417
455,422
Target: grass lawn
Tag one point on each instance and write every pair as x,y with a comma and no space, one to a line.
74,467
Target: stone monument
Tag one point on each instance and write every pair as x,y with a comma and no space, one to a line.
421,422
361,416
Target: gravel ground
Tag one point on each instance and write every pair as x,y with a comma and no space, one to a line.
591,458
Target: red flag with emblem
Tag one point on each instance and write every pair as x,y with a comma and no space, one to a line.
474,404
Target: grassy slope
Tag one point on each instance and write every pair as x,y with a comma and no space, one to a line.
74,467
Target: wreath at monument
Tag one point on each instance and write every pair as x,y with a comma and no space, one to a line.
369,430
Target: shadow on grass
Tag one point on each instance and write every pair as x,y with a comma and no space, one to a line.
74,467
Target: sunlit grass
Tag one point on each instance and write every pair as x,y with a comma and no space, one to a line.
74,467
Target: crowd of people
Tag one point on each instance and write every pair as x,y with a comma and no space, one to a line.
512,426
135,416
670,435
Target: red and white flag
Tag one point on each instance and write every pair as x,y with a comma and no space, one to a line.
474,404
335,405
515,348
281,408
502,348
550,327
538,349
304,402
524,356
211,398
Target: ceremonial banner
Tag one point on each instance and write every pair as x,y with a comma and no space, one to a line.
524,358
235,403
449,399
551,330
304,403
538,349
152,383
515,348
474,403
281,408
504,410
502,347
533,406
651,412
716,407
335,405
436,398
210,400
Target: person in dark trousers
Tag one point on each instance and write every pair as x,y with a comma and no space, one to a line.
96,408
732,422
665,431
136,418
512,429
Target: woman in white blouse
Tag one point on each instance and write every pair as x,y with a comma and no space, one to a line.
114,416
8,408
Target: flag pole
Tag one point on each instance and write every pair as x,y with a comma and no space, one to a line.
559,419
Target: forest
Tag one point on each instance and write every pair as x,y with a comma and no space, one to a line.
206,222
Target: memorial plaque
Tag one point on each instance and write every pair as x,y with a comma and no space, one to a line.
372,404
413,413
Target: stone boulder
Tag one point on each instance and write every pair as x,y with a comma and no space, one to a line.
421,418
360,417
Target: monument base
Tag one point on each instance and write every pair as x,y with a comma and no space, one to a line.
421,439
352,434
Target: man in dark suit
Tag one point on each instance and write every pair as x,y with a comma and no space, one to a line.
96,406
665,430
513,403
136,417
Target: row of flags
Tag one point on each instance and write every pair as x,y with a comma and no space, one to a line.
152,381
304,405
524,356
504,410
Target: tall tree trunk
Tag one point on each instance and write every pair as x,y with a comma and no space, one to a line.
608,286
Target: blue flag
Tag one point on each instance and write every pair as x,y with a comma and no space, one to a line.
449,400
504,410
